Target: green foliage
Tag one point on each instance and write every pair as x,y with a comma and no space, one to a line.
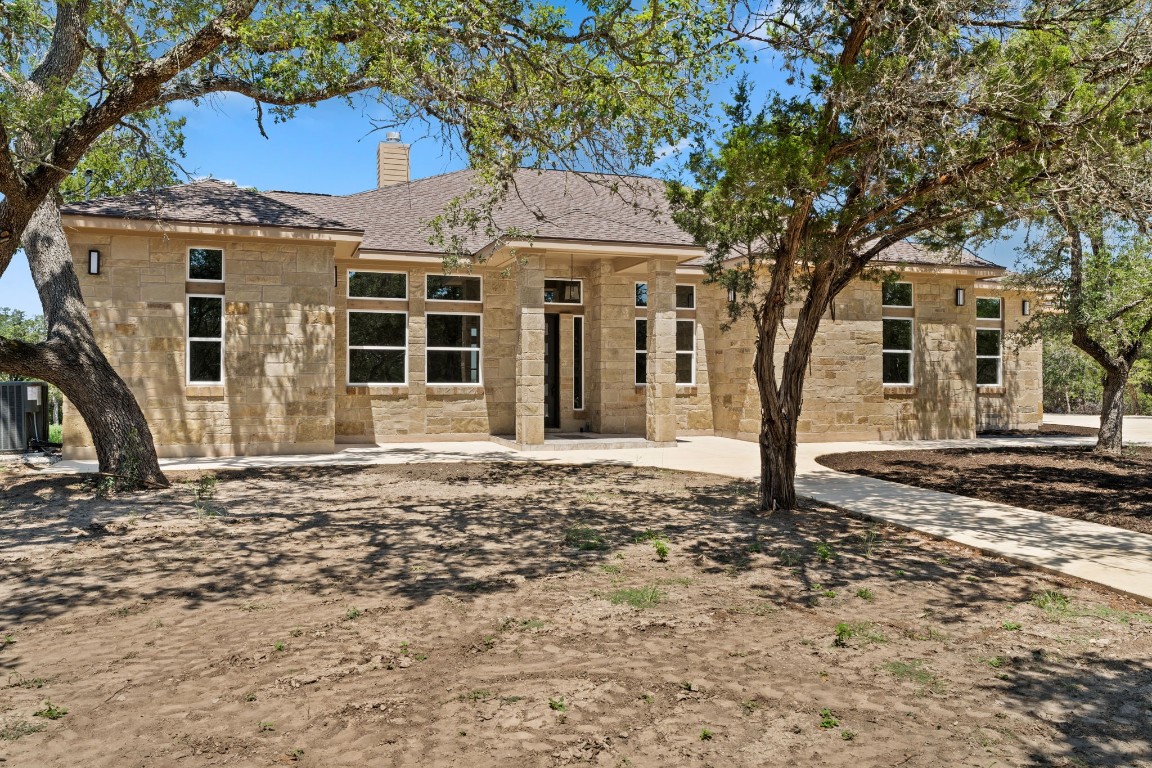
583,537
914,672
10,730
1012,626
643,597
861,630
827,719
50,711
1051,601
558,705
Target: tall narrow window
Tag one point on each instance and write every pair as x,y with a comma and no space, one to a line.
377,285
454,346
205,359
377,348
988,357
897,351
577,363
641,351
641,294
206,265
685,297
686,351
453,288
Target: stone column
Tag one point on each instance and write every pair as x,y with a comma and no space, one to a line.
660,392
530,349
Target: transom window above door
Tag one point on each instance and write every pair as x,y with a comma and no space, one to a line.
377,285
454,288
563,291
206,265
897,294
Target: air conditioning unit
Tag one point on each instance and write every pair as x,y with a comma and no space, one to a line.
23,414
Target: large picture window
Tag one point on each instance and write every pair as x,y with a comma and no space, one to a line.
641,351
686,351
897,351
205,354
454,347
206,265
377,348
453,288
988,357
377,285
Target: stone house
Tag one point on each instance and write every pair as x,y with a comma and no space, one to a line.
273,322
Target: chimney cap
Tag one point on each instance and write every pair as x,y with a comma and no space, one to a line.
392,136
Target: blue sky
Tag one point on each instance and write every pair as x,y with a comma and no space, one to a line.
330,148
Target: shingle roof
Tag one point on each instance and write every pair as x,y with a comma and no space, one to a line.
549,205
206,202
905,252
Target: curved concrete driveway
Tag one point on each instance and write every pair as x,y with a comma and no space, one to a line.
1109,556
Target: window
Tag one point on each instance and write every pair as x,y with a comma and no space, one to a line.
685,297
641,294
897,351
577,363
377,348
988,357
563,291
453,288
377,285
641,351
206,265
988,309
897,294
205,339
686,351
453,354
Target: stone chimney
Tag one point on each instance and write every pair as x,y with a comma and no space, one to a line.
391,161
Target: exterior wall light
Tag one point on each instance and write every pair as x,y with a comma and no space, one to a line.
1026,307
959,297
93,262
731,295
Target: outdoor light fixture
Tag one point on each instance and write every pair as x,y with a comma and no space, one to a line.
731,295
1026,307
93,262
959,297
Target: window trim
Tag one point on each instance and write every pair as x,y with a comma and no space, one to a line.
480,300
188,339
579,280
899,306
583,361
479,350
693,307
188,264
1000,304
348,284
911,352
998,357
634,286
638,352
348,348
679,352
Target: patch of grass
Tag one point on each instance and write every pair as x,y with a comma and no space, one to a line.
1111,614
611,569
584,538
205,488
352,613
827,719
789,558
865,594
558,704
706,734
750,706
13,729
511,624
995,661
279,646
822,591
1012,626
914,672
296,632
1051,602
928,633
825,552
642,597
649,535
480,694
265,725
6,641
50,711
250,696
847,735
56,433
27,682
862,630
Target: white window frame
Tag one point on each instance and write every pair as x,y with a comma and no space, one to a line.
479,350
634,286
428,275
637,352
188,263
999,302
998,357
679,352
911,352
693,287
567,303
188,339
348,284
899,306
348,348
583,358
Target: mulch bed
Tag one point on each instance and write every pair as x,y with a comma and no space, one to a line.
1045,430
1067,481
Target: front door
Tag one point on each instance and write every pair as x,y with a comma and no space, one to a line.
551,371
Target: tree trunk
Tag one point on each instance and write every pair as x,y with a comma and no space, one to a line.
777,464
1110,440
71,359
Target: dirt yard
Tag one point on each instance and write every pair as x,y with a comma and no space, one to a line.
516,615
1070,482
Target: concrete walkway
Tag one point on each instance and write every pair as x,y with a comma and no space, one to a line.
1137,429
1113,557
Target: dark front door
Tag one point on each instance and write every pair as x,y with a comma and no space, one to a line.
552,371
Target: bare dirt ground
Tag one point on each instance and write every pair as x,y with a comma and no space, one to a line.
519,615
1070,482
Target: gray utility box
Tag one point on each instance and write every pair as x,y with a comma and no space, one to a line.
23,414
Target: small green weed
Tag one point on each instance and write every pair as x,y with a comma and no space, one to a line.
611,569
266,725
6,641
558,705
584,538
13,729
296,632
706,734
865,594
279,646
250,696
750,706
827,719
825,552
50,711
868,541
205,488
661,549
480,694
847,735
352,614
914,672
789,558
643,597
1012,626
822,591
861,630
995,661
27,682
1050,601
